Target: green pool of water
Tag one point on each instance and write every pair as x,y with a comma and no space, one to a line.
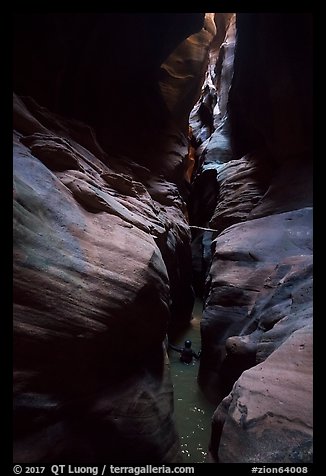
193,412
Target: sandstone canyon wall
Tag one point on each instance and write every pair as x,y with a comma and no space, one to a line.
102,252
252,134
102,245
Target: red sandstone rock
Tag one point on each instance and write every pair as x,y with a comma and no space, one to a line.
260,296
258,309
91,302
270,401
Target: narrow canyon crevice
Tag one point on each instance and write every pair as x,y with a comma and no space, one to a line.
252,195
158,157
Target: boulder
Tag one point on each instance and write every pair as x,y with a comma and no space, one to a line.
269,404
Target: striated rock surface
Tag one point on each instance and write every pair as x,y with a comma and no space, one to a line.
102,259
183,72
261,275
254,164
260,408
211,149
91,304
102,268
259,310
241,187
209,117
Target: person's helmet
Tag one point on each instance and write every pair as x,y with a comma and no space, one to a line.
187,344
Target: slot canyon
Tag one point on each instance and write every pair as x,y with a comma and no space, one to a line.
162,161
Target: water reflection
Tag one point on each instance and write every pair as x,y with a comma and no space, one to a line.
193,412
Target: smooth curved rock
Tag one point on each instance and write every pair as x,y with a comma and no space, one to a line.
260,285
210,112
241,185
102,245
92,301
269,403
183,72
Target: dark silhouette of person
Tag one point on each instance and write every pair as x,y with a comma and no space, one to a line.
186,352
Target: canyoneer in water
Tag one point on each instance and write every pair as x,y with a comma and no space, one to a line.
186,352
